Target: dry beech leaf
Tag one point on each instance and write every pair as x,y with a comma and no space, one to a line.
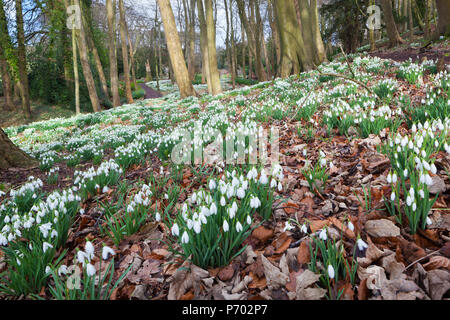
437,262
303,255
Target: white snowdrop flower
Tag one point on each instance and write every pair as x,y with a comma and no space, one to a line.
330,271
175,230
392,196
185,238
54,234
81,211
323,162
280,187
249,220
213,208
90,270
238,227
394,178
433,168
197,226
62,270
429,221
89,249
225,226
106,251
45,228
240,193
263,179
81,257
273,183
426,165
190,223
428,180
323,234
361,244
212,184
194,198
414,206
423,153
405,173
47,269
351,226
414,128
105,189
222,201
408,200
166,196
46,246
389,178
421,193
288,226
303,228
157,216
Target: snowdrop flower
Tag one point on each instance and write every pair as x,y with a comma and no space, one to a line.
106,251
280,187
323,162
421,193
238,227
46,246
222,201
89,249
175,230
304,229
323,234
254,202
157,216
428,180
197,226
213,208
361,244
414,206
47,269
185,238
330,271
394,177
81,257
405,173
351,226
45,228
408,200
392,196
240,193
429,221
263,179
389,178
90,270
105,189
62,270
433,169
288,227
212,184
273,183
249,220
225,226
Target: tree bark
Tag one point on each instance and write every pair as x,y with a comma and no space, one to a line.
6,80
204,45
410,21
294,56
175,51
275,35
75,72
111,14
123,40
443,12
394,36
13,157
212,53
82,48
22,61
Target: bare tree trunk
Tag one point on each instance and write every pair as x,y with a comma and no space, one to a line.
98,65
6,79
204,45
13,157
22,61
443,11
75,72
319,49
244,73
275,35
175,51
427,19
212,54
260,71
191,13
394,36
417,14
294,56
82,48
111,15
410,21
123,40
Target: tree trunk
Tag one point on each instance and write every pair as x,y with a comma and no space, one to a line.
427,19
22,61
259,37
123,40
294,56
98,65
410,21
82,48
394,36
212,53
417,14
111,14
6,80
244,73
75,72
11,156
175,51
275,36
319,49
191,12
204,45
443,12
